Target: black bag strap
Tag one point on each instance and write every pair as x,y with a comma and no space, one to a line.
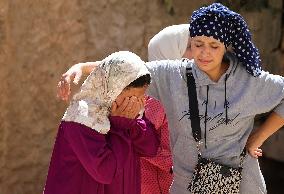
193,105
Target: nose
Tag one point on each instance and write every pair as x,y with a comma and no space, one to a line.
205,51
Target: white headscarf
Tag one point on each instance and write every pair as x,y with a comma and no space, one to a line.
169,43
91,106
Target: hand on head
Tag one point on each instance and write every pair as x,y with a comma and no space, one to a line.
63,87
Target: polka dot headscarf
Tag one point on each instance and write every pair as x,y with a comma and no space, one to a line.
228,27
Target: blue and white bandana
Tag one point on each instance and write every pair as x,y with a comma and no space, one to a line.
228,27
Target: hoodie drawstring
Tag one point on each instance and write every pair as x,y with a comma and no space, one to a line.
226,103
226,106
205,117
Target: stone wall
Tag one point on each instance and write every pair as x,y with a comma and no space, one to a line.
39,40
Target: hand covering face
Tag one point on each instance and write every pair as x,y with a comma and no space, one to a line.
91,106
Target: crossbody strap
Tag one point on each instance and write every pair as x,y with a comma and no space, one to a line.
193,105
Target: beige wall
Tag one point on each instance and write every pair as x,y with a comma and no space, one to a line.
39,40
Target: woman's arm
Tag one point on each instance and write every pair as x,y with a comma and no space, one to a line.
267,91
87,67
74,75
272,124
144,137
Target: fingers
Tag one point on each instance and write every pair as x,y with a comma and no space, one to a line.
253,144
63,89
74,74
144,101
66,77
77,77
120,110
132,105
141,103
129,108
258,152
63,86
124,104
255,152
113,109
138,104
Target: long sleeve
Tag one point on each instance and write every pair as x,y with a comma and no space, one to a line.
144,138
158,71
102,156
269,93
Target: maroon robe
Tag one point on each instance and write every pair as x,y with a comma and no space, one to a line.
87,162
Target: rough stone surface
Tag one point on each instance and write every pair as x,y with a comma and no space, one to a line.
39,40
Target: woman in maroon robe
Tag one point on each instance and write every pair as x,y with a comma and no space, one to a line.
104,133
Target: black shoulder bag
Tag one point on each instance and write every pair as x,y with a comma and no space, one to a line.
209,177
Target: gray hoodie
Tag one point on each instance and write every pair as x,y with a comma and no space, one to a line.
233,103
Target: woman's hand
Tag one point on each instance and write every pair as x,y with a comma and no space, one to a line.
74,75
273,123
129,108
253,145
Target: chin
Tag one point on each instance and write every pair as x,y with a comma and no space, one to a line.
203,66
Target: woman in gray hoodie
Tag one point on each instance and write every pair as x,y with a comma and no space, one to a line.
231,90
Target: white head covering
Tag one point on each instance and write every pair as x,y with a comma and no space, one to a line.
91,106
169,43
